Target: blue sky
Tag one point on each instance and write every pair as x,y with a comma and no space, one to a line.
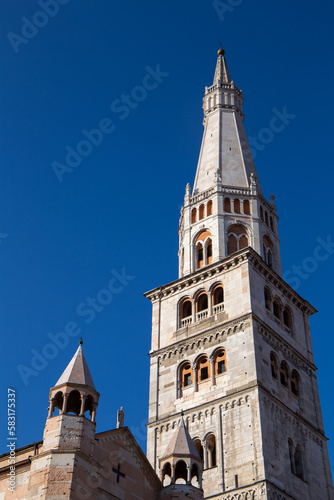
117,210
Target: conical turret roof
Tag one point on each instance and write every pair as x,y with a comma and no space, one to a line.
181,443
77,371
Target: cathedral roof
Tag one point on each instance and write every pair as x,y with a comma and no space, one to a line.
77,371
181,443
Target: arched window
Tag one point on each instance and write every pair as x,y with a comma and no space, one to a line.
287,318
203,369
273,365
58,401
193,215
200,255
227,205
299,469
236,205
261,213
284,374
195,479
220,362
267,299
181,472
246,207
268,251
186,375
208,245
277,309
202,302
202,250
218,300
294,383
74,403
89,405
209,208
166,474
266,218
292,466
201,212
186,311
199,448
211,450
271,223
237,238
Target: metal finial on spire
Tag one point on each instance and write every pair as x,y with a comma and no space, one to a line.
81,341
221,51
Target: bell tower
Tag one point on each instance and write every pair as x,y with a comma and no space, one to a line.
69,436
231,344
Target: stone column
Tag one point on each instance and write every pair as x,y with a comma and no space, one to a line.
194,367
212,366
189,474
64,409
51,407
94,412
82,407
172,474
205,455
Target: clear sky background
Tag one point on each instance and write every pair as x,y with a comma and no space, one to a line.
119,208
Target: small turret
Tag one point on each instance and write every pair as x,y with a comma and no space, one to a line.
181,467
76,399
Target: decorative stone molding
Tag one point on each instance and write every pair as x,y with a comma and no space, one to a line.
214,335
299,425
276,341
205,412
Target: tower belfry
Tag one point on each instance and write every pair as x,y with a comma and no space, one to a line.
231,344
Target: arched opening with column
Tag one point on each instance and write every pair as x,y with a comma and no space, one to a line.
58,402
199,448
89,405
273,365
202,306
208,251
209,208
203,369
227,205
185,312
217,299
298,459
181,472
194,215
237,238
268,251
185,377
284,374
203,249
166,474
220,361
73,403
211,451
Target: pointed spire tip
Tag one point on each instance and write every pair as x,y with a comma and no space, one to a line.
221,52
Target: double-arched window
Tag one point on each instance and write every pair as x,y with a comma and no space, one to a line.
237,238
296,459
289,382
203,249
207,450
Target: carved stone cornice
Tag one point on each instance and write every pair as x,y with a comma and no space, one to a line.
209,335
276,341
217,268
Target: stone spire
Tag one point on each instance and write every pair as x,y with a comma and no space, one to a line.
224,145
77,371
222,74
